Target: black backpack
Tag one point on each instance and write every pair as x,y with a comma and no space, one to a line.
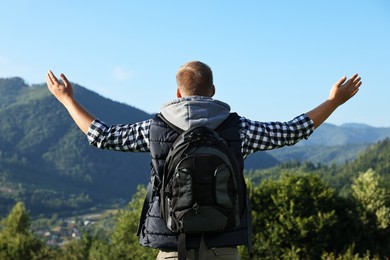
202,185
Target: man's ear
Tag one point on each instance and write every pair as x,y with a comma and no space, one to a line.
178,94
212,91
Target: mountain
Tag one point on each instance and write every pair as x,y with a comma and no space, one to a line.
375,157
333,144
346,134
46,162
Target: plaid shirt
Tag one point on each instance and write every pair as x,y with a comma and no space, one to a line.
255,136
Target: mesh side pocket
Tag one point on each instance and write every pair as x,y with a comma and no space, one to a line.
183,185
222,175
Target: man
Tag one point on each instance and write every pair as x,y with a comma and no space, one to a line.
195,106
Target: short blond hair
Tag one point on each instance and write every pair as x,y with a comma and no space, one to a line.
195,78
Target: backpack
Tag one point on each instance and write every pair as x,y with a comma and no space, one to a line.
202,188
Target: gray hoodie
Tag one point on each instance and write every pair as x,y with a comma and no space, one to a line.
194,111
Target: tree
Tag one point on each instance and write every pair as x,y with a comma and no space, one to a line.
16,239
374,212
372,198
18,221
124,240
292,217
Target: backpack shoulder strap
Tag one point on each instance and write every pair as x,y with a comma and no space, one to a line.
177,129
233,117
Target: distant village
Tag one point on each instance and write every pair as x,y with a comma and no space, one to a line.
67,229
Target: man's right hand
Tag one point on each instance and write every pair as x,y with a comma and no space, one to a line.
341,92
345,89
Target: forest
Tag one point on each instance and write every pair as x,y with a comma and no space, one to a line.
299,211
47,163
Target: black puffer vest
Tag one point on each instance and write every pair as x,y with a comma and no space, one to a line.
153,230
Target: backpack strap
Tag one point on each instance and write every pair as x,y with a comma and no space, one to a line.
181,247
181,241
177,129
249,225
200,253
232,116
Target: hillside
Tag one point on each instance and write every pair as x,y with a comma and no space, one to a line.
46,162
331,144
346,134
375,157
317,153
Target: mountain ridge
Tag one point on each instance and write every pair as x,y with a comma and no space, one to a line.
45,160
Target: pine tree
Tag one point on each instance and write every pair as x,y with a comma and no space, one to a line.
124,240
16,240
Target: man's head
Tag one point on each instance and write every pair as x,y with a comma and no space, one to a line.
195,79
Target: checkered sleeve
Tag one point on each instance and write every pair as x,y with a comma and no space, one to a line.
258,136
121,137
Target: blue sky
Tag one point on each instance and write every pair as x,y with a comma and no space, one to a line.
272,60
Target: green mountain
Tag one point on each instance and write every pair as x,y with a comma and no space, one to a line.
347,134
46,162
337,154
375,157
331,144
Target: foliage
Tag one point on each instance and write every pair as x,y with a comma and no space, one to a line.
16,240
300,209
124,241
293,215
339,177
45,160
373,208
367,190
121,243
376,157
320,153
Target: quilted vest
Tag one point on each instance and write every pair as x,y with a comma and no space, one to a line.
153,231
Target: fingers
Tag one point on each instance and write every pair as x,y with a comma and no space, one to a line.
354,77
52,80
355,81
65,80
52,77
353,84
49,77
341,81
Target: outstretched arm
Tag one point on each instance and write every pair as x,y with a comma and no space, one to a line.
64,93
341,92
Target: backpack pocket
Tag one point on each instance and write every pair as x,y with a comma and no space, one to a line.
221,177
182,192
202,219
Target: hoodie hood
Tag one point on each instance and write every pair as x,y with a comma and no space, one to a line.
192,111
